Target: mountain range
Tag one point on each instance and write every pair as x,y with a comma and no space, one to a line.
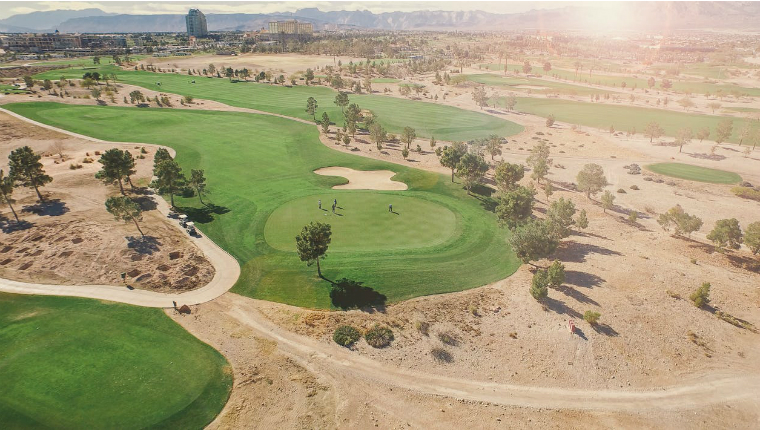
620,16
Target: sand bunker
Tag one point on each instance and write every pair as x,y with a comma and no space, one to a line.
363,180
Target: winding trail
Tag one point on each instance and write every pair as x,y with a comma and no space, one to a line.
332,359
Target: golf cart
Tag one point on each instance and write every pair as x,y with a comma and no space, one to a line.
191,229
183,220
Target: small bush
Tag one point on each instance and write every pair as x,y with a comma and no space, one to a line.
473,309
379,337
441,355
693,261
448,339
143,150
591,317
648,178
346,335
633,216
701,297
673,294
423,327
746,193
634,187
87,160
621,191
97,152
513,335
75,166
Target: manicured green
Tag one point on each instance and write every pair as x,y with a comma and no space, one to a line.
695,173
80,363
10,89
429,119
622,117
550,87
363,221
256,163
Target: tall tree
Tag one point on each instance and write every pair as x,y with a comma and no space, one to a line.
515,207
752,237
507,175
309,76
479,96
726,234
26,169
378,134
450,157
591,179
681,221
198,182
342,100
653,131
6,191
703,133
408,135
608,200
723,130
118,165
493,145
559,218
533,241
312,243
311,107
471,168
125,209
683,136
325,122
539,161
169,179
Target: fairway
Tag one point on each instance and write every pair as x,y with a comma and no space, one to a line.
429,119
257,165
549,87
622,117
363,223
84,364
695,173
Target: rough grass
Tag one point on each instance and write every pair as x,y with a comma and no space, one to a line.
694,173
257,163
429,119
81,363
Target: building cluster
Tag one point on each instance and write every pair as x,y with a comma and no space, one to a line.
291,27
82,44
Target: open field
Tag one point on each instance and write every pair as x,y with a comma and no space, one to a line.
550,87
429,119
623,118
79,363
283,155
695,173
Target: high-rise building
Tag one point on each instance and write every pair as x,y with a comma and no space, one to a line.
291,27
196,23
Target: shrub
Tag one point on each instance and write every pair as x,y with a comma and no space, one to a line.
346,335
75,166
701,297
423,327
634,187
591,317
379,337
693,261
633,216
97,152
448,339
441,355
621,191
746,193
87,160
143,150
556,274
539,288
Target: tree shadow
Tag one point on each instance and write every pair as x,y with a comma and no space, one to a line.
203,214
349,294
580,333
577,295
9,226
559,307
589,234
575,252
482,190
48,208
742,262
147,203
143,245
582,279
605,330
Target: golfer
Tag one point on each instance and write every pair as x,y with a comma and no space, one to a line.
390,208
320,204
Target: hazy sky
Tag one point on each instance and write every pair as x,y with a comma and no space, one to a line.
143,7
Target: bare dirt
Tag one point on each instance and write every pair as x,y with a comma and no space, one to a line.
72,239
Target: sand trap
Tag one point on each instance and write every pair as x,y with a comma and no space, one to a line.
363,179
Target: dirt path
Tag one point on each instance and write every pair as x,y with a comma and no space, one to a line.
333,359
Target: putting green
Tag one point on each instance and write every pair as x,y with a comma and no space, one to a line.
81,363
362,222
695,173
256,164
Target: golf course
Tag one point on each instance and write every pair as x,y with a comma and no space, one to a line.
81,363
429,119
694,173
260,170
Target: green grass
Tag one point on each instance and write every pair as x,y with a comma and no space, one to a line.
551,87
81,363
695,173
429,119
255,164
363,222
622,117
10,89
385,80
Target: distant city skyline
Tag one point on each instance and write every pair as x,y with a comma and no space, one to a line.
152,8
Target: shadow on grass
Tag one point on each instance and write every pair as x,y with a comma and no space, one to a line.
48,208
350,294
143,245
203,214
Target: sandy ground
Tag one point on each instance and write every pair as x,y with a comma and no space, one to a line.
363,180
74,240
